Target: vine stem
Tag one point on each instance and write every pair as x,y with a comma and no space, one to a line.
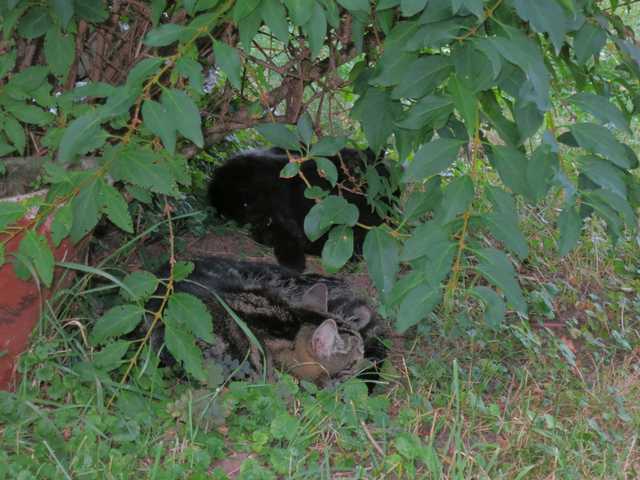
157,315
457,266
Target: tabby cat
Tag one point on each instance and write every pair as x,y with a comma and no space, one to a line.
311,326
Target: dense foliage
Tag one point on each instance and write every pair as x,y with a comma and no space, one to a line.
469,96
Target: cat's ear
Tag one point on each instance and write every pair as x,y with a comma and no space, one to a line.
324,339
363,315
316,298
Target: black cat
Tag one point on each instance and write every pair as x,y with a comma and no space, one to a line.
248,189
296,319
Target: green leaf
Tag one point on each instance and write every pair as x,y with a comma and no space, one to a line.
316,28
11,14
418,303
285,426
29,79
525,53
110,357
304,127
601,108
617,203
290,170
141,71
426,238
404,285
15,132
474,6
457,197
228,59
244,8
35,23
588,42
115,322
423,76
386,4
355,5
381,252
410,7
139,194
326,169
438,34
93,11
191,69
157,119
503,222
528,119
29,113
115,207
275,17
85,211
328,146
541,170
164,35
144,168
177,165
337,249
511,165
35,248
603,173
2,254
300,11
570,225
7,62
333,210
59,51
61,225
249,26
184,309
182,270
409,445
598,139
377,112
279,135
430,110
185,114
202,5
474,70
492,110
545,16
494,306
315,192
432,158
439,263
183,348
93,89
391,68
491,52
495,266
79,137
5,148
63,9
10,212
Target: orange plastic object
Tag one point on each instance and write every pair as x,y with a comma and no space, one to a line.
21,303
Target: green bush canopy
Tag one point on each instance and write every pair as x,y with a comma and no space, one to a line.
486,107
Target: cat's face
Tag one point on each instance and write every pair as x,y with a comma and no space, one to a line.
323,353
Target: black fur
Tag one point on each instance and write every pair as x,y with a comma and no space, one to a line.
249,190
271,300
